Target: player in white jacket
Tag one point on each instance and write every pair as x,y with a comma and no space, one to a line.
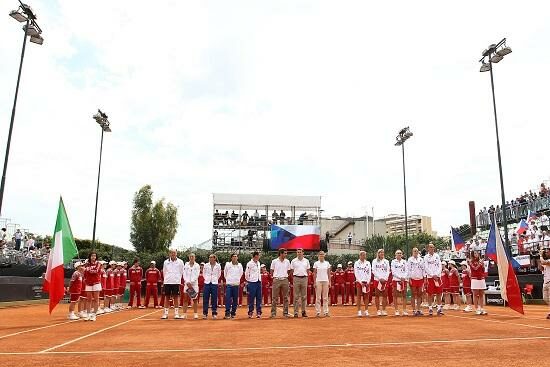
399,282
415,273
381,272
363,273
432,266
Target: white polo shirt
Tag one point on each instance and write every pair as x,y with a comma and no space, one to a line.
432,265
299,267
322,270
280,268
211,274
252,272
233,273
172,271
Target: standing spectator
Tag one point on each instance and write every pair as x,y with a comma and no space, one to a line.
253,277
350,238
300,267
18,237
545,264
274,217
327,237
233,272
280,268
282,217
245,218
544,222
211,272
322,283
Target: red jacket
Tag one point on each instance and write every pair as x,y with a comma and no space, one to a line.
350,276
135,274
339,277
92,273
75,287
266,279
153,276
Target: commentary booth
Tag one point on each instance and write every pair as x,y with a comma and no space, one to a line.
265,222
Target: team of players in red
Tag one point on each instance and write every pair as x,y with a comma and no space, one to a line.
113,276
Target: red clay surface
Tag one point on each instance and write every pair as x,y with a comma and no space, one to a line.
31,337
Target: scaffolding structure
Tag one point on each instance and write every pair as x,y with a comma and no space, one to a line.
243,222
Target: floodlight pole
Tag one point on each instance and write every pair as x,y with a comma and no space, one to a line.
97,188
405,198
7,155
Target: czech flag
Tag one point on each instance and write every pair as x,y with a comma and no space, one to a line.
531,216
523,227
456,241
491,250
292,237
509,287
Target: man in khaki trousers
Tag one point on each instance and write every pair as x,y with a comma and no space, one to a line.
300,267
280,268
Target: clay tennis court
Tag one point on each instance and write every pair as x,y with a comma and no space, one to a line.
30,337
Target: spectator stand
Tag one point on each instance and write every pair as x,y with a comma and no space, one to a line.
243,221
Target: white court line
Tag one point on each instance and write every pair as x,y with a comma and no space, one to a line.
485,319
35,329
96,332
289,347
49,326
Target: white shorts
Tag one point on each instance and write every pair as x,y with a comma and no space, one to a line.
194,285
93,288
478,284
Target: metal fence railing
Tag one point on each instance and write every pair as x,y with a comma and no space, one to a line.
515,212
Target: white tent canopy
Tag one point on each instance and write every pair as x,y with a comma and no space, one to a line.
279,201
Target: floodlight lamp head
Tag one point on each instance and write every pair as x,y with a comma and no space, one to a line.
18,15
37,39
485,67
31,30
504,51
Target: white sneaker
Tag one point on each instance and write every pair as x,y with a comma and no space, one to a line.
141,307
108,310
184,316
164,316
100,311
483,312
467,309
195,316
359,314
214,317
397,313
384,313
366,313
92,317
378,313
178,317
83,314
405,313
72,316
478,312
456,307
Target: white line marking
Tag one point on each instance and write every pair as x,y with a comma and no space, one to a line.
291,347
35,329
484,318
96,332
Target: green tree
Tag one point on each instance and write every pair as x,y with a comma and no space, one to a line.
153,226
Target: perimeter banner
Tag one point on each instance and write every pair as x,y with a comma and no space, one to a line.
294,237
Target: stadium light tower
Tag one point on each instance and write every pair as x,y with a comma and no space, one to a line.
492,55
102,120
23,14
404,135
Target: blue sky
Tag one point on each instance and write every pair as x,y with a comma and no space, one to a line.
199,103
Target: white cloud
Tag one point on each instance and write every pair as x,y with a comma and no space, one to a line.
289,97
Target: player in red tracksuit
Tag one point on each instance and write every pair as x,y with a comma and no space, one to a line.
339,284
152,279
310,288
135,273
389,288
101,310
116,286
75,288
331,290
350,283
200,280
241,289
122,271
445,285
454,284
266,281
109,284
221,290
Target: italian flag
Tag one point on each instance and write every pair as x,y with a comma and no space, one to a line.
62,252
